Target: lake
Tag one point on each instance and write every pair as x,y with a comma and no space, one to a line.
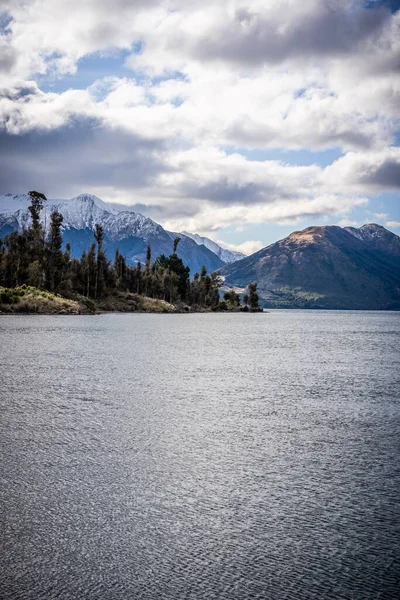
229,456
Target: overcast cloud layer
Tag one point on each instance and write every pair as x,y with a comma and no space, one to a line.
199,86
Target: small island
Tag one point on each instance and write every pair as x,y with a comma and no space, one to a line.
39,275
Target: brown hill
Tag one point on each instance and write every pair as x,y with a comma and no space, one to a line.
325,267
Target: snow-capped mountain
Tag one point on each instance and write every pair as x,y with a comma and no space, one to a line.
82,212
127,231
227,256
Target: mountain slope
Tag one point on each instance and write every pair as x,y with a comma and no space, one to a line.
325,267
227,256
126,231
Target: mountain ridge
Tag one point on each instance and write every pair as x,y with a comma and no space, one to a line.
125,230
325,267
227,256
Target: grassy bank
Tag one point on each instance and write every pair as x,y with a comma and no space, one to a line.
128,302
30,300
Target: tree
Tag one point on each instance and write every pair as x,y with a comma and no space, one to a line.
91,269
100,262
35,274
175,265
35,208
36,257
213,292
68,276
36,233
17,258
139,278
253,297
120,270
37,199
232,299
148,256
54,254
175,246
2,261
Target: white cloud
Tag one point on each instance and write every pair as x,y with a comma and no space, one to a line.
366,172
248,247
211,217
393,224
253,74
348,223
32,109
258,74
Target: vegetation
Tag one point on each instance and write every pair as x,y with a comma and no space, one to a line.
34,266
28,299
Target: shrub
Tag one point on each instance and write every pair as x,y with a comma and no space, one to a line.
90,305
7,297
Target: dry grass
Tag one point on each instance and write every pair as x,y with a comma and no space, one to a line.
128,302
154,305
26,299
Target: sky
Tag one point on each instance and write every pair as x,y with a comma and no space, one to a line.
242,120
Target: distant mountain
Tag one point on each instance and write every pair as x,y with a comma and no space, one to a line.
227,256
128,231
325,267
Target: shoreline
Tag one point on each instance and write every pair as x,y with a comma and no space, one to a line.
29,300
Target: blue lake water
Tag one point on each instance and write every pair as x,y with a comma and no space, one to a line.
229,456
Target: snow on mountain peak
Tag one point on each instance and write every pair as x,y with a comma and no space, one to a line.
227,256
369,231
81,212
92,200
11,203
85,211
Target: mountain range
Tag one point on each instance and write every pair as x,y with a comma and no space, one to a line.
227,256
125,230
325,267
319,267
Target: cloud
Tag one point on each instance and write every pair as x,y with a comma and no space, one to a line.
195,189
210,217
348,223
393,224
42,46
248,247
82,157
176,32
218,110
275,31
251,33
311,75
205,76
368,172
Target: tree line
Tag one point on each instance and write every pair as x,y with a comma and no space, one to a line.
36,257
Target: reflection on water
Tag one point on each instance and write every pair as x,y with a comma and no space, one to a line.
200,456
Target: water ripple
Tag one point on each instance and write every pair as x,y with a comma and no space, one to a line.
233,457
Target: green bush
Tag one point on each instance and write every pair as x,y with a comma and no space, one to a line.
12,295
90,305
222,305
7,297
